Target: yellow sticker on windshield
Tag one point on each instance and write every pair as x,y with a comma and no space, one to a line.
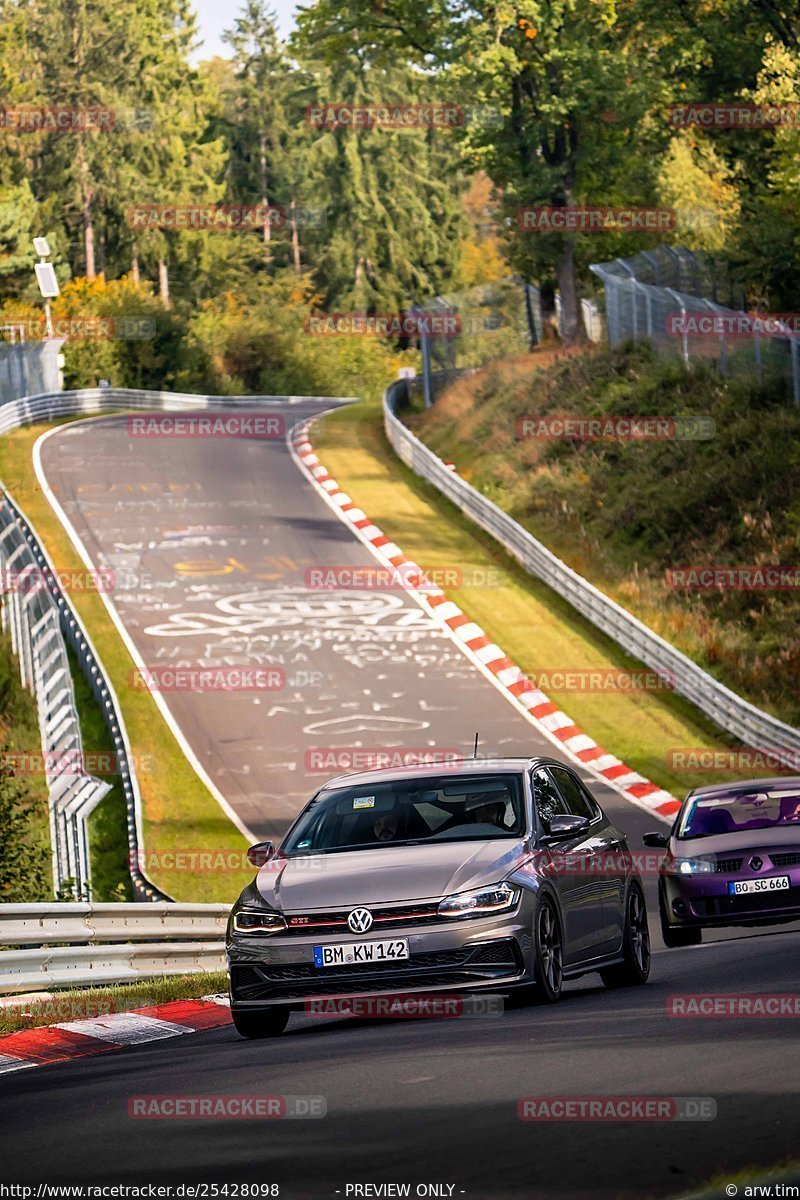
364,802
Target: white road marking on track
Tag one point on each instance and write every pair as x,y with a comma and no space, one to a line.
128,1029
7,1064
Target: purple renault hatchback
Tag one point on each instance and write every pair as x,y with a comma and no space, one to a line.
733,858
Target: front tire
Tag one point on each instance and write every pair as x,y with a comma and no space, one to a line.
548,953
268,1023
634,970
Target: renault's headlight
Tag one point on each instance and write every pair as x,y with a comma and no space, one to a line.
693,866
253,920
497,898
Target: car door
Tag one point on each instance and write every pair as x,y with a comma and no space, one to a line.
605,857
567,864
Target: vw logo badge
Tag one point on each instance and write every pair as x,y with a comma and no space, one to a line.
360,920
756,863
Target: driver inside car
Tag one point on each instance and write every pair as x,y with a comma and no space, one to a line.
485,809
386,827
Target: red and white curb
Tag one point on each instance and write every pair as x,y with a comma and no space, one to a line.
489,657
47,1044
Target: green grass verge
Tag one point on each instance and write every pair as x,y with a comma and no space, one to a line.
534,626
179,813
75,1004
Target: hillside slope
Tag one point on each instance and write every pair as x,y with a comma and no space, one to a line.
626,513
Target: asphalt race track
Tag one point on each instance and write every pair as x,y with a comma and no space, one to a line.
210,542
436,1101
422,1102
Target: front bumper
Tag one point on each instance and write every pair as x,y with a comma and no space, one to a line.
473,954
703,901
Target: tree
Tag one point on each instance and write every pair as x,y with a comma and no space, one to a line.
393,214
259,118
548,71
82,58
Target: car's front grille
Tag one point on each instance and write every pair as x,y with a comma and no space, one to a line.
721,906
436,968
383,917
789,859
729,866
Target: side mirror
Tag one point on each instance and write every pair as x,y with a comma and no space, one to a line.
566,825
260,853
659,841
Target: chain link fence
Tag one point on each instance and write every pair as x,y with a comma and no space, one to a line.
662,296
464,330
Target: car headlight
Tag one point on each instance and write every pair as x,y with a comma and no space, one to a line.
253,920
694,866
497,898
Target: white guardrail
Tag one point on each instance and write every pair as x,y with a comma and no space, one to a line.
33,615
727,710
41,621
107,943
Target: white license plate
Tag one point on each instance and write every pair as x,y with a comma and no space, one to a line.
360,952
773,883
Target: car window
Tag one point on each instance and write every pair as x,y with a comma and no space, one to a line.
451,807
739,811
579,802
549,801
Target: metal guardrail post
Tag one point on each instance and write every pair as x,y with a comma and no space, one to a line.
685,337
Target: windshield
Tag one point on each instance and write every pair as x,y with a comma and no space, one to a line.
409,811
738,812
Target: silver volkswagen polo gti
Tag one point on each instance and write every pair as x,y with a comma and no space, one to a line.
503,875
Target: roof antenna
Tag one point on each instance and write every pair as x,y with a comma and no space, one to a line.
475,747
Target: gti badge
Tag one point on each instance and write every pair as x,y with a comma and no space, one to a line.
756,863
360,920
